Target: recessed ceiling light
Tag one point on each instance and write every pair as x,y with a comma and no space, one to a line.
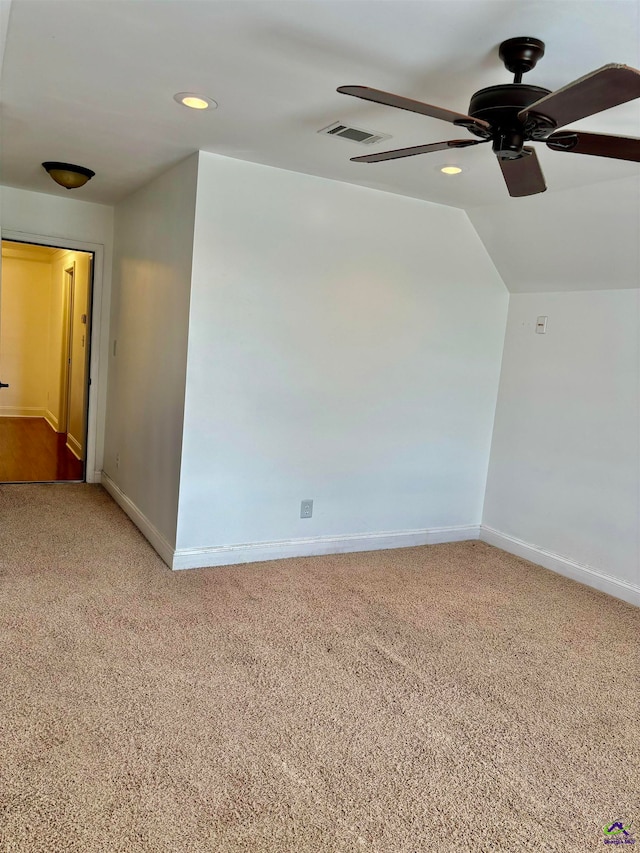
450,170
195,102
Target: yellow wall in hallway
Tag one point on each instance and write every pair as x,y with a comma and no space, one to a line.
24,334
34,336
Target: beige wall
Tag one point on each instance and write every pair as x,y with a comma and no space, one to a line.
33,337
24,334
75,425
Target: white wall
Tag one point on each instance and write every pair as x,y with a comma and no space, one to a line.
344,346
55,216
72,223
565,461
149,324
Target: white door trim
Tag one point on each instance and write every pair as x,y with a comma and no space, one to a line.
97,375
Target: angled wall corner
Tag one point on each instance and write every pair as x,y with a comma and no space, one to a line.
148,348
585,238
564,477
344,345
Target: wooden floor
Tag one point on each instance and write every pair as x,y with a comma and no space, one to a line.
30,451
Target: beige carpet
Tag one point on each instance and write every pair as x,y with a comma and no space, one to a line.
450,697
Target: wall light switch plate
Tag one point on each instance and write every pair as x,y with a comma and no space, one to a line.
541,326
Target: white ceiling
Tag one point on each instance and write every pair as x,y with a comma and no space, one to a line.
92,82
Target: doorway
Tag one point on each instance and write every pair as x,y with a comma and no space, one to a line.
45,310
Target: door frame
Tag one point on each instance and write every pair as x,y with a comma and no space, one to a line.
97,373
69,284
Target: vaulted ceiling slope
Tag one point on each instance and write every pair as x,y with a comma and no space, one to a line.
93,83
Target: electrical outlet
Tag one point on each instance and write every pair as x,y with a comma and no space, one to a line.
306,509
117,460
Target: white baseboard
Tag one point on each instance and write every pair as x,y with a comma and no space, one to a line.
51,419
21,412
229,555
95,477
562,565
155,538
75,447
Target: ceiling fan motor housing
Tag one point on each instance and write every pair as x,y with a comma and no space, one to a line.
499,106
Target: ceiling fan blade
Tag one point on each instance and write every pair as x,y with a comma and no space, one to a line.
416,149
412,106
607,87
597,144
524,175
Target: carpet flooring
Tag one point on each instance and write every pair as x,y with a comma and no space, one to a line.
448,697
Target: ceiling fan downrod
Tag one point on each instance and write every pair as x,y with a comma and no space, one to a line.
499,105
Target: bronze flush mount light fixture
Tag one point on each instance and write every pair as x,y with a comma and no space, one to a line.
67,175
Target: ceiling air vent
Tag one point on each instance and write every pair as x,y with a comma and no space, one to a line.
353,134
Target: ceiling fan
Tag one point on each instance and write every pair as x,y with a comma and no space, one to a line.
510,114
